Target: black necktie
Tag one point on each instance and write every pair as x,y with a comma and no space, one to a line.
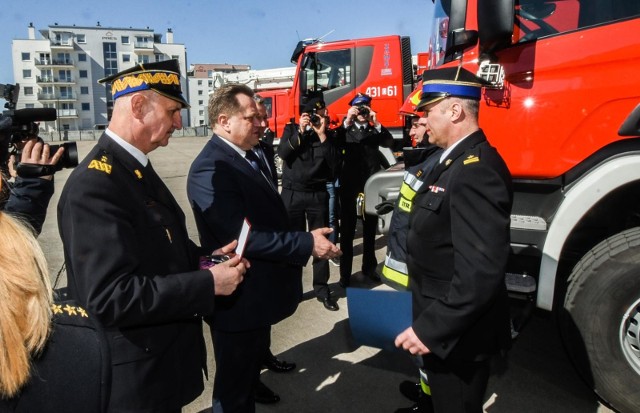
259,166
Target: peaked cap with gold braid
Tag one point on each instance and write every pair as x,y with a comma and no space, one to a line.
438,84
161,77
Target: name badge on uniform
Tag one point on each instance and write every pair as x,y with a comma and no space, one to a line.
436,189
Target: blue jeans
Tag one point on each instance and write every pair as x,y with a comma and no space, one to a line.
332,188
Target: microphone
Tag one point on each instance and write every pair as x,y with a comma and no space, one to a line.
22,116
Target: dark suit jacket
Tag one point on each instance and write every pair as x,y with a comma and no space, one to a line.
223,190
131,264
458,246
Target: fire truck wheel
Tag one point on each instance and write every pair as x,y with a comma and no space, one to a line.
600,322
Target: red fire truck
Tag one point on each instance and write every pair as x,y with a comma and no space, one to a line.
378,66
564,112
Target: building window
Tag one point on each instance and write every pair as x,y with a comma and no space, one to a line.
199,92
82,57
201,112
80,38
29,105
143,59
84,90
28,91
125,39
211,83
26,73
126,57
199,82
83,74
86,106
175,57
26,56
159,57
200,102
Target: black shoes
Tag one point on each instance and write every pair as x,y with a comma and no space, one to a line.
279,366
329,303
265,395
413,391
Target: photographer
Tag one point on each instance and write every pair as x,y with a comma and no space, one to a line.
310,158
360,137
28,197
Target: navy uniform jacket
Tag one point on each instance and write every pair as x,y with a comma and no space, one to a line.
361,156
307,163
73,372
131,264
223,190
458,246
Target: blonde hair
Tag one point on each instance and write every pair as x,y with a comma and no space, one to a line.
25,303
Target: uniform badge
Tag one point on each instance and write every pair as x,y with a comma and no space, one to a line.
138,173
448,162
102,165
471,159
436,189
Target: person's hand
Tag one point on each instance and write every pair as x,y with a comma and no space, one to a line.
322,247
305,120
352,113
36,152
408,340
227,249
228,275
373,117
321,128
11,164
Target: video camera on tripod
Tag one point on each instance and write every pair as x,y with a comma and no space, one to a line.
17,126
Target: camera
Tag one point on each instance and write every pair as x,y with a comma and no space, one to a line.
363,111
209,261
18,126
315,118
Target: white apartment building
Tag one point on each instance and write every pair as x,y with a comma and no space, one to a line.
61,68
203,79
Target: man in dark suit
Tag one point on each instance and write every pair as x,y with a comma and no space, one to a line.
129,260
225,186
458,246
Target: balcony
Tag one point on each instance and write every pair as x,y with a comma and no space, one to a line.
62,44
143,45
67,113
63,97
55,80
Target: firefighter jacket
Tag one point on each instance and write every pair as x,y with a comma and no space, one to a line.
418,165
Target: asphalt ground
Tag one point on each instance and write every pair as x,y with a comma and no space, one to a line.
334,373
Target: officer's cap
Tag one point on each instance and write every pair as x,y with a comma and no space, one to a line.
313,103
438,84
361,99
161,77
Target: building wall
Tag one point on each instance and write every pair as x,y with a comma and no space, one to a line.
69,82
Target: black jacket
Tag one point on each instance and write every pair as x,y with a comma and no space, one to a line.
458,246
307,163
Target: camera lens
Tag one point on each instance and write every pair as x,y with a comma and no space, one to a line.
69,156
363,111
315,120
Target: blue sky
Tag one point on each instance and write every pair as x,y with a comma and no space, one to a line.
258,33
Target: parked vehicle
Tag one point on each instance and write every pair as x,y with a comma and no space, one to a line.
564,112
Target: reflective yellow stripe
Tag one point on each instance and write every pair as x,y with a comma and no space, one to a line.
406,191
395,276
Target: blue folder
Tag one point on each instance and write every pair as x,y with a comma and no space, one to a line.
376,317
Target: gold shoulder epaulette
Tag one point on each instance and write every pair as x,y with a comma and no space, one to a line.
101,163
471,159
